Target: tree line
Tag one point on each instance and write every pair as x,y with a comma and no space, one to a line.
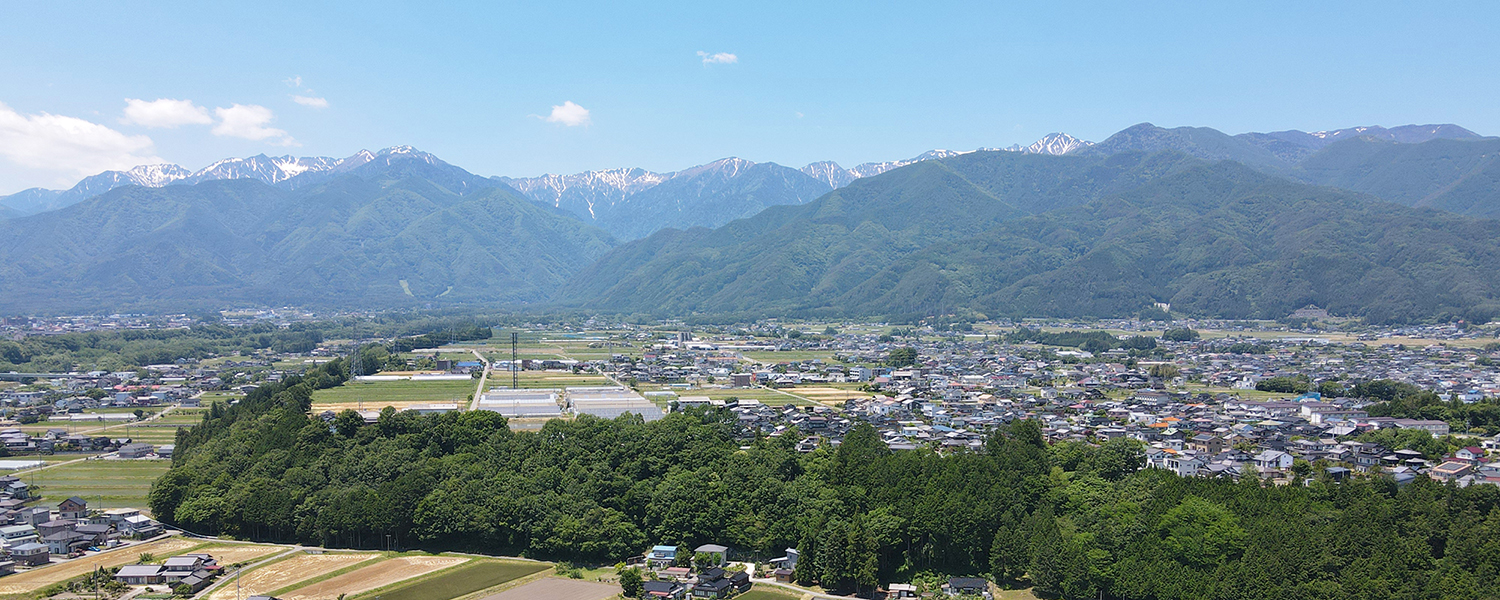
1074,519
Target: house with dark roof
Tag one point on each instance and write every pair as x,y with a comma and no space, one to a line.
958,586
74,508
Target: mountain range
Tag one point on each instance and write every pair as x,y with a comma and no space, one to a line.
707,195
997,234
1392,226
394,228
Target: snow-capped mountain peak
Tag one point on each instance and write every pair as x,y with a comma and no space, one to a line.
1056,144
155,175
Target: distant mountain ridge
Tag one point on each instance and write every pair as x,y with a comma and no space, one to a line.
391,228
266,169
991,233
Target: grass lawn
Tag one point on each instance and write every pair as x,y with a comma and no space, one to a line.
766,592
375,394
463,580
114,483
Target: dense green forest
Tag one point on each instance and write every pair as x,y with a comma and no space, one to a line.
1072,519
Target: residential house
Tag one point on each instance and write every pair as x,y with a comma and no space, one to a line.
17,534
31,553
140,575
1451,470
661,557
663,589
718,553
958,586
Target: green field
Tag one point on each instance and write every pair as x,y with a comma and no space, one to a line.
461,581
222,396
373,394
546,379
114,483
766,592
790,356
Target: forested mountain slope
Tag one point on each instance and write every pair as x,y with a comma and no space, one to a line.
1217,240
1458,176
1109,237
800,258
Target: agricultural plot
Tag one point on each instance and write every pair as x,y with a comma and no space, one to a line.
229,554
545,380
829,395
285,573
374,576
36,579
376,395
553,588
765,592
104,483
474,577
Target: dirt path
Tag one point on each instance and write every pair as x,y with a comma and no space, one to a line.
484,377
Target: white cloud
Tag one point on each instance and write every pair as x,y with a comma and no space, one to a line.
164,112
249,121
569,114
723,58
68,144
311,101
295,82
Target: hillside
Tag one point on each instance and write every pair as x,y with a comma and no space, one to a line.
1218,240
952,236
799,258
371,238
1198,142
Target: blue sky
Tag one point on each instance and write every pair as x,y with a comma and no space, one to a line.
851,82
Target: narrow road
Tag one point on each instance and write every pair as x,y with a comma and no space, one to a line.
86,431
229,579
479,391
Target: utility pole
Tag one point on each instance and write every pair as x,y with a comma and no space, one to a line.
515,367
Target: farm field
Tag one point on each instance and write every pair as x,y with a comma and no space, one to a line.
36,579
466,580
765,592
221,396
104,483
400,394
228,554
153,433
545,379
374,576
284,573
553,588
827,394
